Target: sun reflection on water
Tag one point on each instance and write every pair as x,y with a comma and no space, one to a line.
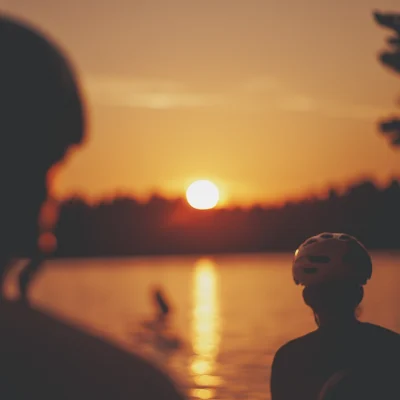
205,329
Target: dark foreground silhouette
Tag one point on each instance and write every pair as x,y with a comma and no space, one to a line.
333,270
42,358
41,117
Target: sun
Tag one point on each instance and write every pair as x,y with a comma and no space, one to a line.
202,195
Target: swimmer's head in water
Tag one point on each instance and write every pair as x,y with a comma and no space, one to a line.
331,257
41,116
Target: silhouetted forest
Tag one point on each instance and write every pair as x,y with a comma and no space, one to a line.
124,226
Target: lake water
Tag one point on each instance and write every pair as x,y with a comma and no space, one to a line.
231,312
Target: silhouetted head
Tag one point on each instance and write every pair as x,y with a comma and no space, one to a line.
333,267
41,116
333,301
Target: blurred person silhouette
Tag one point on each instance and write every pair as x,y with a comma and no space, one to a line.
333,268
162,306
41,117
158,331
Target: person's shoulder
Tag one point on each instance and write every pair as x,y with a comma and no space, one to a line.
379,331
301,341
382,343
289,359
294,346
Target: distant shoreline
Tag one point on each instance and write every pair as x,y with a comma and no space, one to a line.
387,251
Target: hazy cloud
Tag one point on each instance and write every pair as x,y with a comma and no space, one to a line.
257,94
145,93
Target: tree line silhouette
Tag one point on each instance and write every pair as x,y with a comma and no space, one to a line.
124,226
391,59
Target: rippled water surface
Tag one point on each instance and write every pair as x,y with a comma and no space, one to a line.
230,313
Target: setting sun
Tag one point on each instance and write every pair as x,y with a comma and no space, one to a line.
202,195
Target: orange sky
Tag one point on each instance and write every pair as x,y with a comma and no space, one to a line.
269,99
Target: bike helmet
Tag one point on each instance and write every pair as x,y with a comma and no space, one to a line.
331,257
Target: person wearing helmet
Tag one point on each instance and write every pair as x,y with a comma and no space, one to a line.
333,268
41,117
